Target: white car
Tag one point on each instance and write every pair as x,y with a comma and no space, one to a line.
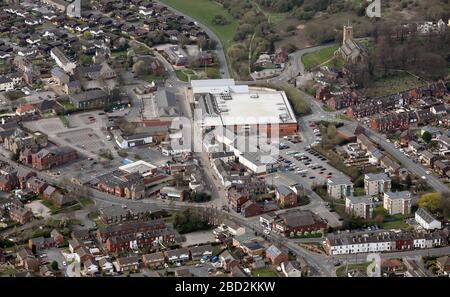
266,231
64,263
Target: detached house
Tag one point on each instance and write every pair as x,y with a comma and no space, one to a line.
286,197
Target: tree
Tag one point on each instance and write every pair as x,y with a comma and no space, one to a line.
220,20
55,265
408,181
426,136
430,201
87,35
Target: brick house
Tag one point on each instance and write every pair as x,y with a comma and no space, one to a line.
41,243
154,260
58,238
286,197
36,185
250,209
298,222
8,182
20,215
23,175
276,256
236,199
46,159
128,264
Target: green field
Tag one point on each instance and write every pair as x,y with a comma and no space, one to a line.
319,57
204,11
185,74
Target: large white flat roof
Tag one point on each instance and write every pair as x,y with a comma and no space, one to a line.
140,166
224,104
216,86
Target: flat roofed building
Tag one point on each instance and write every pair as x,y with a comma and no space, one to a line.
242,107
140,166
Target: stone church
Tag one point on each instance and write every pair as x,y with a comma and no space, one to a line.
351,50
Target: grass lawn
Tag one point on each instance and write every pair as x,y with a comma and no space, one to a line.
397,224
391,85
14,95
359,191
119,54
264,272
51,206
327,108
182,74
204,11
68,106
318,57
341,271
343,117
150,77
84,201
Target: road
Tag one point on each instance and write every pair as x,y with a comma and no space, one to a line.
414,168
295,66
223,68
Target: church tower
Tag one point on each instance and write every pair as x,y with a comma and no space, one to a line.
347,33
